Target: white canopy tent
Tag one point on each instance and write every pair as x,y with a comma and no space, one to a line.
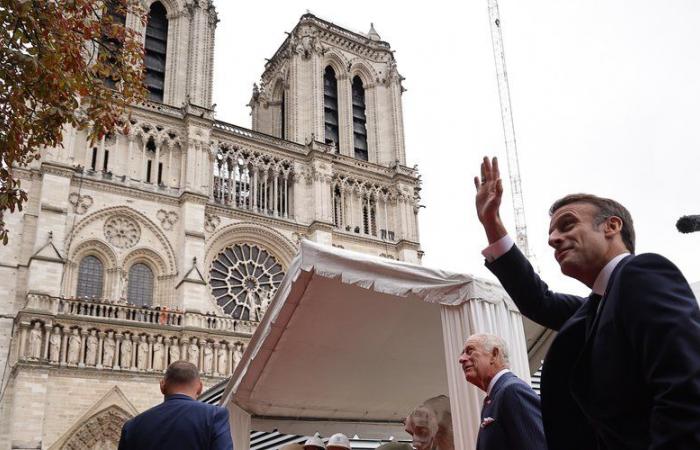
352,343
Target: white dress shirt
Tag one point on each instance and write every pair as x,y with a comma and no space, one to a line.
494,379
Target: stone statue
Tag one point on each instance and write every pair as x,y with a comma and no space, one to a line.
35,339
109,347
74,344
208,358
91,353
142,354
237,353
222,362
194,352
174,351
126,352
55,345
430,425
158,353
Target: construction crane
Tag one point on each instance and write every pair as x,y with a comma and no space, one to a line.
509,131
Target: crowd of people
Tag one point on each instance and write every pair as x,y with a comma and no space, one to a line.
623,371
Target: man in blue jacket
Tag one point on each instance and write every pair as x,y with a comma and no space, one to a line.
624,369
510,417
180,422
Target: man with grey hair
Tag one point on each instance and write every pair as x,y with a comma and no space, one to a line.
511,417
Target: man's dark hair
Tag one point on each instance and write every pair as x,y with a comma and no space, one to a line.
606,208
181,373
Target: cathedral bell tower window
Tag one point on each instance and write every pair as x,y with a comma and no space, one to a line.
359,119
330,105
156,46
90,278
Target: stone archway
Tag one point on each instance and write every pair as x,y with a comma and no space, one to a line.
99,432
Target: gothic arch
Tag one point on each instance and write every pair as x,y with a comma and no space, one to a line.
100,427
253,233
337,61
101,251
141,219
172,7
367,74
148,257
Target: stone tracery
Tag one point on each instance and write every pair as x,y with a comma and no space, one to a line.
122,231
243,279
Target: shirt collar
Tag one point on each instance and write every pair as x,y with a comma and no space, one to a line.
601,281
495,378
177,396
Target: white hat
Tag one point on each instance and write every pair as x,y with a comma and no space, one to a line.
314,441
339,440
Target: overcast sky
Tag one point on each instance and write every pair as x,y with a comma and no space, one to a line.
605,100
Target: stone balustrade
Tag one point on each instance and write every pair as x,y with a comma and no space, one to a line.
110,336
121,311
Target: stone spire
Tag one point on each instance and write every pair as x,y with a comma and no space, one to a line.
372,34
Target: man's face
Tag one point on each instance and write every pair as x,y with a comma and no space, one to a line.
422,426
580,246
477,363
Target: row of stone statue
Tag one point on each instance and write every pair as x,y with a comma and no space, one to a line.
126,350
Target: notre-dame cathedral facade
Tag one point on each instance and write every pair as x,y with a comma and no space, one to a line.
168,241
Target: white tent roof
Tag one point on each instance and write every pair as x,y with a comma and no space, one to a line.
353,343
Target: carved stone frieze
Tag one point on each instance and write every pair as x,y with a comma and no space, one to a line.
122,232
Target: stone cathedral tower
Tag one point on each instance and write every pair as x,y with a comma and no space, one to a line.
169,241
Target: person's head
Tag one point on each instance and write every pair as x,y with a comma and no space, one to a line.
430,424
314,443
395,446
181,377
586,232
484,355
338,442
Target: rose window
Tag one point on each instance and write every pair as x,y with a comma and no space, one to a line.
122,232
243,279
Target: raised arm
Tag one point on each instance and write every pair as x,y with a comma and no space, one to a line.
514,271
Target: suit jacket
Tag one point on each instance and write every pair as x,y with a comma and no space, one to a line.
511,418
178,423
633,380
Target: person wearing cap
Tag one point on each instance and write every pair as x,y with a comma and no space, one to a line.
338,441
314,443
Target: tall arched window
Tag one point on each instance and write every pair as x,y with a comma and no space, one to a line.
111,47
359,120
140,285
330,105
156,45
90,278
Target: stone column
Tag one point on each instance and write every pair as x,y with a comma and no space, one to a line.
154,167
100,348
83,338
201,343
149,365
184,344
255,189
117,350
130,154
46,336
64,346
166,349
215,362
286,195
143,159
169,181
23,341
275,192
134,350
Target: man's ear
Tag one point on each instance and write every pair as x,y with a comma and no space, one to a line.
200,387
163,387
495,353
613,225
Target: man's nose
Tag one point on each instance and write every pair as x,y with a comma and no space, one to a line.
554,239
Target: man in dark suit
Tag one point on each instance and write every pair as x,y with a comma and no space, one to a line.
510,418
624,369
180,422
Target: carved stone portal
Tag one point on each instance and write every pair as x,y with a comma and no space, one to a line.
101,431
